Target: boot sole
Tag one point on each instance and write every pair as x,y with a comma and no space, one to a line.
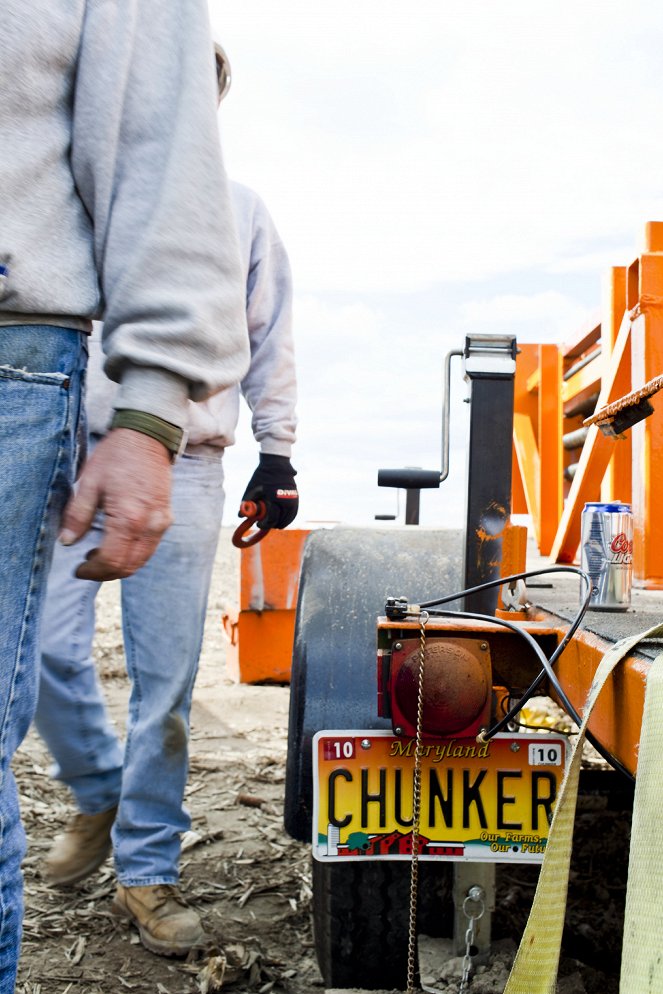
158,946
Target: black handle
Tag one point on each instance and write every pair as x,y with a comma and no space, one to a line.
408,478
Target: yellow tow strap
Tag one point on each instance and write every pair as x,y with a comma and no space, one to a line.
535,966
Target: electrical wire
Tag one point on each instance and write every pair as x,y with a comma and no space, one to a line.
543,728
547,663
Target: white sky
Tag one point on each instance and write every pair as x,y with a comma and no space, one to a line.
433,168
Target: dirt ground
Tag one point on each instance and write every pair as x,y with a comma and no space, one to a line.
251,883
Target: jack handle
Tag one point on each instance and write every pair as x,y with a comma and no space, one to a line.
253,511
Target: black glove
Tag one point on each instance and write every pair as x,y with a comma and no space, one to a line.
274,483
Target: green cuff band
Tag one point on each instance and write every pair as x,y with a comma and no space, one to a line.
149,424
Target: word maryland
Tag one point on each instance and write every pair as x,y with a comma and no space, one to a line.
442,750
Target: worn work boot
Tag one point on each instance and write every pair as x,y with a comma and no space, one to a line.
166,923
80,849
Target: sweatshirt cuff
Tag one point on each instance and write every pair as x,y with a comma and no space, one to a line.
276,447
155,391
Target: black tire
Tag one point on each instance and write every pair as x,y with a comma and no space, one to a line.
345,576
361,916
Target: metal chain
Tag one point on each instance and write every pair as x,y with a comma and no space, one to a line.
476,896
416,808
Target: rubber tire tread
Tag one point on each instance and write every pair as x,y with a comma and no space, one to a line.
361,916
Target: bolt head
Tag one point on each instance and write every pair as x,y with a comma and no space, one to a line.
398,645
483,646
398,730
365,743
514,747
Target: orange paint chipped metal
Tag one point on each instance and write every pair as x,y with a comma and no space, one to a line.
260,627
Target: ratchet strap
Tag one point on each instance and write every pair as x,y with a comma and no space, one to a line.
535,966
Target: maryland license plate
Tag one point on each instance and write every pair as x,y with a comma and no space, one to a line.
491,802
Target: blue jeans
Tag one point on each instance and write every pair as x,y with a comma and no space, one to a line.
41,374
163,616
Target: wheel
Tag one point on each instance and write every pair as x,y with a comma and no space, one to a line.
345,577
361,916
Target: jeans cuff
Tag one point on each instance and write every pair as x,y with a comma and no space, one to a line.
172,879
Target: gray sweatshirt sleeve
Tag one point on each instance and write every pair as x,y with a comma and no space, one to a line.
147,165
270,387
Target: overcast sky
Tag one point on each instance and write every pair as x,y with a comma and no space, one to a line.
433,168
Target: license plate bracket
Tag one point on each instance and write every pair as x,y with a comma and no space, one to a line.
487,802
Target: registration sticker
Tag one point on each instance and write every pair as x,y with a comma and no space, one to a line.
489,801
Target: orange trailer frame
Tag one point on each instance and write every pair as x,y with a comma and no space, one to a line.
556,386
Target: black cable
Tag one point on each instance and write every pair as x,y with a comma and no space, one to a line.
548,671
510,579
546,663
543,659
542,728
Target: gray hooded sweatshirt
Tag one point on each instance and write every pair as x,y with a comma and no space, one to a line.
269,386
113,194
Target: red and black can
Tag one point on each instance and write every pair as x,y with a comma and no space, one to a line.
606,541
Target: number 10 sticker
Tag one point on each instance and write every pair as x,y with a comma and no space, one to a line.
338,748
541,754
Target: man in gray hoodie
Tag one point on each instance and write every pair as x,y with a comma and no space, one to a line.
112,202
137,791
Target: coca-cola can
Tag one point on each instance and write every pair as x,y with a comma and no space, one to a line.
606,540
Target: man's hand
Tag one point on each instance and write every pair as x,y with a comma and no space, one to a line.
128,478
274,483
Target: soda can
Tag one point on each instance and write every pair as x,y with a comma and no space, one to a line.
606,540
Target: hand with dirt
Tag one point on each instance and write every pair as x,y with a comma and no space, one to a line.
128,478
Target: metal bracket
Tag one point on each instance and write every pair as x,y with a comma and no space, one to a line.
466,876
489,355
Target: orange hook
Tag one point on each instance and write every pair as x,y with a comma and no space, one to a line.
253,511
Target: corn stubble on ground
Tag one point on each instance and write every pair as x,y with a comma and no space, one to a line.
250,882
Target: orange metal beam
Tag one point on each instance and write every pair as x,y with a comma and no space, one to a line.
633,285
534,381
654,236
260,627
527,363
586,486
551,462
617,480
518,498
514,554
647,362
527,456
514,550
525,428
588,379
594,460
627,469
260,645
617,716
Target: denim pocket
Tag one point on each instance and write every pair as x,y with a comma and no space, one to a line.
81,449
25,376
